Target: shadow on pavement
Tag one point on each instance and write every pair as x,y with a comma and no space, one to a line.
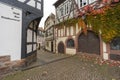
45,63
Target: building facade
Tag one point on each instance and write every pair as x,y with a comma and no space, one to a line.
40,38
19,22
49,32
71,39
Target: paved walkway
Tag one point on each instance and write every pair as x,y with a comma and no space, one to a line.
44,57
64,67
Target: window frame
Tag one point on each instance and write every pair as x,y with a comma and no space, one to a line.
114,43
68,43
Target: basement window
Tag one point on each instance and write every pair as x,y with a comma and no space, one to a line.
115,44
70,43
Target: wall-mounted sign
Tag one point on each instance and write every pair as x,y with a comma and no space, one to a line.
10,13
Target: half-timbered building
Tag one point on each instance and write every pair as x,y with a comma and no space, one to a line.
49,32
68,37
40,38
73,39
19,20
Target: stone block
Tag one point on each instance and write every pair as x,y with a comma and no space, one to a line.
4,58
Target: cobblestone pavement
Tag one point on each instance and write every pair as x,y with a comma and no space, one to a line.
44,57
65,67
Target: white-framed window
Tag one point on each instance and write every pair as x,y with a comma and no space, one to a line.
61,11
70,43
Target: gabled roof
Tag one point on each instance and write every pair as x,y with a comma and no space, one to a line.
52,16
58,2
40,29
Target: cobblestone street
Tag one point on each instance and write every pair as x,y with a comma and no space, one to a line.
65,67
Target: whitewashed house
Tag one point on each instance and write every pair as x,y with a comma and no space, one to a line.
19,20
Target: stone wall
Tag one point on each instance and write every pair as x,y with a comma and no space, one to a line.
4,59
6,65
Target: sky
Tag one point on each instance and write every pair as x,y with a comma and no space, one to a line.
48,9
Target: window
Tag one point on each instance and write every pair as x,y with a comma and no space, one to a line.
80,3
83,3
70,43
61,10
67,9
115,44
47,44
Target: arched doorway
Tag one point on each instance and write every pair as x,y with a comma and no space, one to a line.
89,43
61,47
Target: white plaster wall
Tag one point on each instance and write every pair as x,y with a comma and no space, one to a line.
91,1
35,37
48,47
29,35
104,47
39,6
58,32
70,51
34,47
68,31
105,54
31,3
10,31
62,32
71,29
29,48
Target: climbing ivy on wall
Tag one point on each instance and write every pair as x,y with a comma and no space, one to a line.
68,22
72,22
108,22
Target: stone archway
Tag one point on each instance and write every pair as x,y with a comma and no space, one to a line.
61,47
89,43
